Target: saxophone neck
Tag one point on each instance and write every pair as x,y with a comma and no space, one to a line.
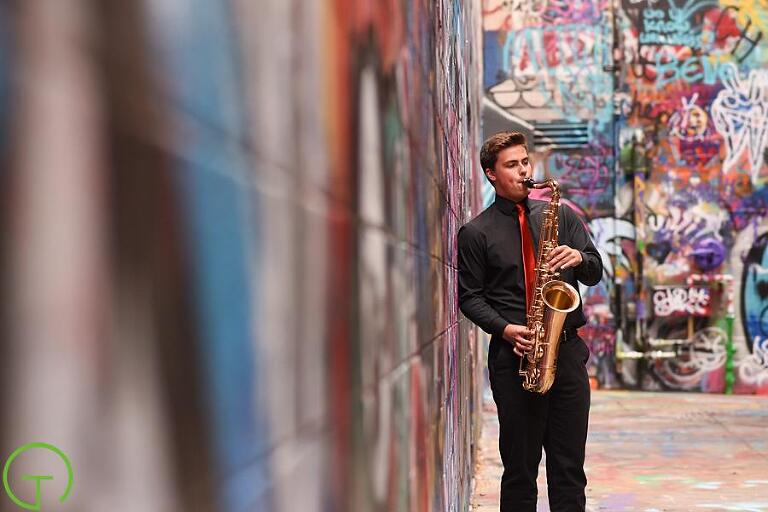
550,183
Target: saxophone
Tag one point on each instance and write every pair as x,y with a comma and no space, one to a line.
553,300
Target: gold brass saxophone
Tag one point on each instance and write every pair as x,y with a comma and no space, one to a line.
552,301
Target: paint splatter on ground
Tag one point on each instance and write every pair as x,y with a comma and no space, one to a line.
655,452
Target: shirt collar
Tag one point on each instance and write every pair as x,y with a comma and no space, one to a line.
509,207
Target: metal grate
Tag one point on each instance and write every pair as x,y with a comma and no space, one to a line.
563,135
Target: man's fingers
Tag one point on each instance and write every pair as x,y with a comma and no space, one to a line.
561,258
557,255
554,258
558,250
521,342
526,344
571,262
567,262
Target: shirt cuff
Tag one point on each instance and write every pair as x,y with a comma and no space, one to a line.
498,327
583,259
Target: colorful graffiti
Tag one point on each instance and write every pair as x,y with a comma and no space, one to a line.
671,180
739,113
673,301
234,255
699,104
546,62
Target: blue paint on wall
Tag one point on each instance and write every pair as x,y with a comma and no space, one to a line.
197,45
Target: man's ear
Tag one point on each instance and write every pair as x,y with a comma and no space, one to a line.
491,175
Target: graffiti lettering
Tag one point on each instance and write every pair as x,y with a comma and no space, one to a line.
673,301
699,68
535,50
558,70
659,29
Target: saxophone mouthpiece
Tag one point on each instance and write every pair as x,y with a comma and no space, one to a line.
529,183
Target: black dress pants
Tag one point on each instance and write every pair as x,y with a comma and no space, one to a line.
556,421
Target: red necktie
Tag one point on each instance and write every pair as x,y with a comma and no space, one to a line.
529,258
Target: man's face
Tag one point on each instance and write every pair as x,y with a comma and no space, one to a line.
512,167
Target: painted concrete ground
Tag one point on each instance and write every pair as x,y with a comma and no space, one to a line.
658,452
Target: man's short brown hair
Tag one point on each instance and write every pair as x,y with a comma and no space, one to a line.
497,143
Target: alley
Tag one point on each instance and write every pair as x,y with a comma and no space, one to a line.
670,452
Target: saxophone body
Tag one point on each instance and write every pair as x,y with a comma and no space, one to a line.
553,300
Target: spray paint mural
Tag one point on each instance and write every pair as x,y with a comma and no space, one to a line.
694,71
403,184
235,255
549,63
671,180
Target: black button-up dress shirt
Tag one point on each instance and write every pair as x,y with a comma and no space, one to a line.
491,277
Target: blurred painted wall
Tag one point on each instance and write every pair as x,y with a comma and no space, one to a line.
667,103
228,270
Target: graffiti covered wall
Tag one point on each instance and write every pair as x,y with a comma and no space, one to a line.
669,172
548,63
403,178
231,250
694,129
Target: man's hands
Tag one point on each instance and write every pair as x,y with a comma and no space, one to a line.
519,336
563,257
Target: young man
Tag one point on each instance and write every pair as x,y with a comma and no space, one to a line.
492,293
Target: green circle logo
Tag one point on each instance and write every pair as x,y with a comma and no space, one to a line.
36,478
